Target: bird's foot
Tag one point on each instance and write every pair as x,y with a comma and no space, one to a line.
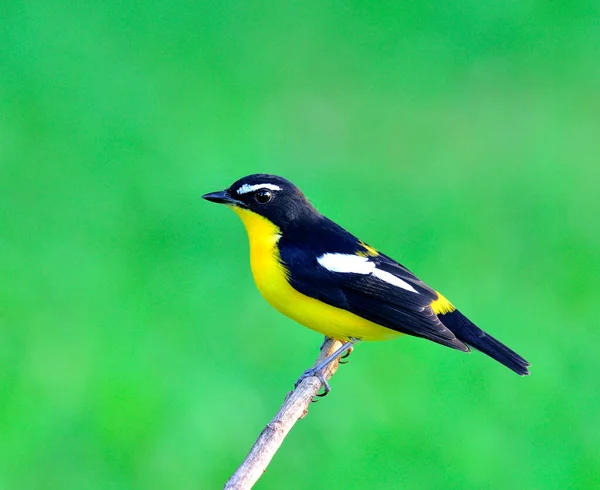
346,354
319,370
317,373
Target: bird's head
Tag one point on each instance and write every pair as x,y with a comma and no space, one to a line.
269,196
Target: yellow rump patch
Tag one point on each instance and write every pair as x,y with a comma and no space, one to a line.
441,306
368,251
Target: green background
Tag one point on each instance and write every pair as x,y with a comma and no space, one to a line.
462,138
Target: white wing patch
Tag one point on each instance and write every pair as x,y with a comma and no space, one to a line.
246,188
346,263
392,279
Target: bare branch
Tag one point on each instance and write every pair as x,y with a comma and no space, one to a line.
293,409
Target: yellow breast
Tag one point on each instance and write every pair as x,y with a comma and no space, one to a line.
271,278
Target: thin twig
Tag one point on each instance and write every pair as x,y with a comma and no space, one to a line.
293,409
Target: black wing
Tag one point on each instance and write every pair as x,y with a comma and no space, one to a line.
368,296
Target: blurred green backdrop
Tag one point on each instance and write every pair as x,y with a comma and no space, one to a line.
462,138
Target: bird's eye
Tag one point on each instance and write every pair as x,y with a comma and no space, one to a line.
263,196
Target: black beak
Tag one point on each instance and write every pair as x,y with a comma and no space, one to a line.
222,197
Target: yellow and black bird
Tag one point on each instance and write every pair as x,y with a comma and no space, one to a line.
315,272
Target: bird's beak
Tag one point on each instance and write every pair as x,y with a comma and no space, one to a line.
222,197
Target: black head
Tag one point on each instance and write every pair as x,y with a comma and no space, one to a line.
275,198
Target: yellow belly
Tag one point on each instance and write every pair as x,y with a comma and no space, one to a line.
271,279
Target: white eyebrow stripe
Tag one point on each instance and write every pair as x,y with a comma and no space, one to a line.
246,188
347,263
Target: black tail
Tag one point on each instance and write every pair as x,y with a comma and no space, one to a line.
473,336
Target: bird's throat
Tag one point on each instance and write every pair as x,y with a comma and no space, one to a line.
262,234
265,262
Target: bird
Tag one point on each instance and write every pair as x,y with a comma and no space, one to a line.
320,275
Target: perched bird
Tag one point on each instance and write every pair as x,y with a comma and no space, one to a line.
315,272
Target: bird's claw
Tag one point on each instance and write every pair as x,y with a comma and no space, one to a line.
319,369
345,355
317,374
